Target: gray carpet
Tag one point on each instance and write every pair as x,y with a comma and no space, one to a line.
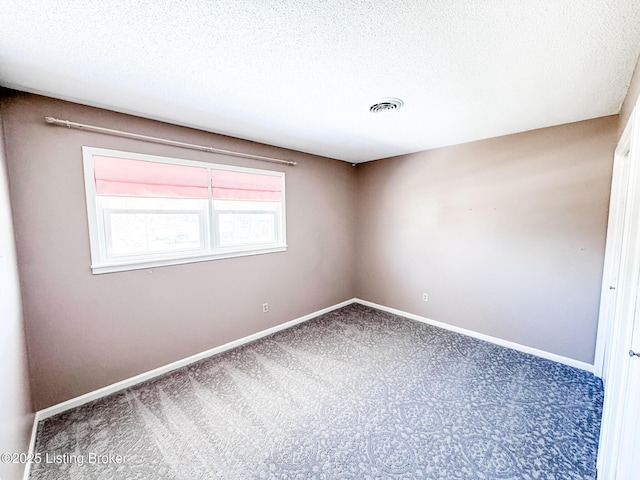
354,394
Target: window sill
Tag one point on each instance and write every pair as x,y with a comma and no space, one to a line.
112,267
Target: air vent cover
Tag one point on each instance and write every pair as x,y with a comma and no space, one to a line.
386,104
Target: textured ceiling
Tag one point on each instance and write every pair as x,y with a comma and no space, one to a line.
302,74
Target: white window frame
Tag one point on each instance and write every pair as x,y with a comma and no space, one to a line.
102,263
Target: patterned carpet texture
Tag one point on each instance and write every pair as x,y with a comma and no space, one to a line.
354,394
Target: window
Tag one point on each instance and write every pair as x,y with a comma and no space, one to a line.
148,211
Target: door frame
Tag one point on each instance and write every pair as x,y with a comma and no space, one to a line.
615,231
615,334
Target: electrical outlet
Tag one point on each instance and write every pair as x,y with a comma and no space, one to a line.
265,307
425,297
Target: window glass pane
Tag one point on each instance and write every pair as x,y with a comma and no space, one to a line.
137,226
242,228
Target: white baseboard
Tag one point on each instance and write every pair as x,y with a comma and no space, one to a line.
498,341
129,382
32,447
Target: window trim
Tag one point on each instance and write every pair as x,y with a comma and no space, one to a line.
100,263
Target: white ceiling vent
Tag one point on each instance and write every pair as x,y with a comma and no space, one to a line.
386,104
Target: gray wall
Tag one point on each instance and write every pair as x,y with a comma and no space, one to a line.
86,331
631,98
15,401
505,235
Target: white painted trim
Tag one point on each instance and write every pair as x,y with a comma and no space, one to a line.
620,179
107,152
129,382
110,389
32,447
148,264
619,440
487,338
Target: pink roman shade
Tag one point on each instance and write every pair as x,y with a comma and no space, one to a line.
230,185
136,178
